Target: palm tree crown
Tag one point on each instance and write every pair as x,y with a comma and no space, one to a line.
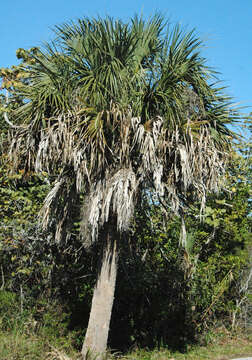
114,109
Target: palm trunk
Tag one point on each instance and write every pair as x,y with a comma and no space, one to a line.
95,342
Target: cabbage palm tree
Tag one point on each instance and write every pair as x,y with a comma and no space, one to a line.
116,110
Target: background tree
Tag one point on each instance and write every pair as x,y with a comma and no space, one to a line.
116,111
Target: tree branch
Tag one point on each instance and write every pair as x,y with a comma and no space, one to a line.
6,119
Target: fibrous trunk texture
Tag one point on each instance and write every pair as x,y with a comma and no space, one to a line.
95,342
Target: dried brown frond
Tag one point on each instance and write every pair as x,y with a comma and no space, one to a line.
55,354
112,168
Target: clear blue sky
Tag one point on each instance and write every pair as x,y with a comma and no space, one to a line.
224,25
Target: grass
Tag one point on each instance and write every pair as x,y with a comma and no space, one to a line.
221,346
16,346
226,351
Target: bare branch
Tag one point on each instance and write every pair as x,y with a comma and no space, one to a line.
6,116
